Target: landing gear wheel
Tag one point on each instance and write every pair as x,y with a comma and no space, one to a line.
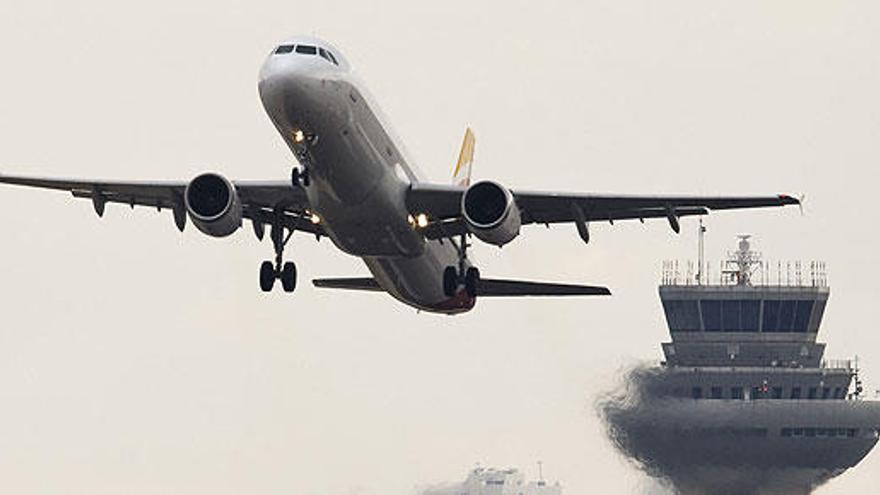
450,281
267,276
472,281
288,277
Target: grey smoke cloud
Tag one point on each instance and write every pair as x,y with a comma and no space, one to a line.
658,434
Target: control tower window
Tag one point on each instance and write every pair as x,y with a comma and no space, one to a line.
730,315
283,49
776,393
716,392
796,393
826,393
786,315
751,313
711,315
771,316
696,393
813,393
306,49
802,316
681,316
737,393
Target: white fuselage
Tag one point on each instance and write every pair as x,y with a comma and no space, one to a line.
358,174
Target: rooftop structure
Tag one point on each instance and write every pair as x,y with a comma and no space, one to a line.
492,481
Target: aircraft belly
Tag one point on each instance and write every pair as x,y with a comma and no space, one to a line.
418,281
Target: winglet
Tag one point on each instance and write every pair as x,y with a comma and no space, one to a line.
461,176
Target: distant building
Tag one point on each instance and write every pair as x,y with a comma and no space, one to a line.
490,481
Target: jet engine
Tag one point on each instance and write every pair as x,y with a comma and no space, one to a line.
491,213
213,205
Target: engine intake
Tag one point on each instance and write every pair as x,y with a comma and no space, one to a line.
213,205
491,213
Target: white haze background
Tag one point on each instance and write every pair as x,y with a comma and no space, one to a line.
135,359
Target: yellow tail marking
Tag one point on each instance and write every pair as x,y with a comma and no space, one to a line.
462,174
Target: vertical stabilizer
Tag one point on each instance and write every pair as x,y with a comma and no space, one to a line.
462,174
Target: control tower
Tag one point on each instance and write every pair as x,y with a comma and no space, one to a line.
745,400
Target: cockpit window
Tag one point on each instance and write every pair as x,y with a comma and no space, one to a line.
284,49
327,56
306,49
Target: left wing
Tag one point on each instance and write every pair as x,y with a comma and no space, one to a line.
263,201
442,205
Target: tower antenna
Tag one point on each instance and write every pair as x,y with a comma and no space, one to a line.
701,252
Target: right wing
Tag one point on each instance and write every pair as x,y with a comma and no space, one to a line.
442,205
263,201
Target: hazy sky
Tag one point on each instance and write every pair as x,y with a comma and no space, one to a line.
134,359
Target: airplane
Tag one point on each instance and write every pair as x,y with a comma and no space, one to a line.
354,184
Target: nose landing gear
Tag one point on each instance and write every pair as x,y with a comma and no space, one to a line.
304,141
468,276
279,270
300,177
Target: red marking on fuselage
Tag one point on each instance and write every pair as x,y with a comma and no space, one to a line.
459,303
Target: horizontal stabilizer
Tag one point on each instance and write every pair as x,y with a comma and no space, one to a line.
355,283
489,287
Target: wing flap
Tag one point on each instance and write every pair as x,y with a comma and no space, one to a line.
519,288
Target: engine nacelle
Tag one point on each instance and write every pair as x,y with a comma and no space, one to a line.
491,213
213,205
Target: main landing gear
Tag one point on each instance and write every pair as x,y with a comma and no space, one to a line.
456,276
286,272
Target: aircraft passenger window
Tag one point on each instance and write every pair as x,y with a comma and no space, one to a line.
284,49
306,49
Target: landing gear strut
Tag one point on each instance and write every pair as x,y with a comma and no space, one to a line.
300,175
286,272
454,277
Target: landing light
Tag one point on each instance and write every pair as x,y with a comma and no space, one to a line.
422,220
315,218
298,136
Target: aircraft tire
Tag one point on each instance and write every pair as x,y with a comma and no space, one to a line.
288,277
472,281
450,281
267,276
